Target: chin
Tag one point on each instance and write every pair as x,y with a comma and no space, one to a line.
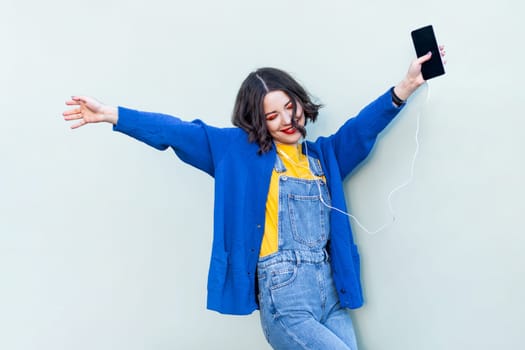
289,140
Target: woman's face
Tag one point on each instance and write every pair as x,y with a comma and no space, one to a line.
278,111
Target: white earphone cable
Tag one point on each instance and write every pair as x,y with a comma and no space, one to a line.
396,189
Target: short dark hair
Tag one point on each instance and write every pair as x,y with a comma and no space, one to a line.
248,112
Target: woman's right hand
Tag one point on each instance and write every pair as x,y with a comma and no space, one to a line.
88,111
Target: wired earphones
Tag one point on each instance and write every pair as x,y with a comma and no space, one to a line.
392,192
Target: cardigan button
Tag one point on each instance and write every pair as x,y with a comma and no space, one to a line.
258,225
343,291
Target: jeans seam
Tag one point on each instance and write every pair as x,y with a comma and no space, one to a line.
292,335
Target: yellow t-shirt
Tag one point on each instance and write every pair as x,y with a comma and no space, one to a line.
296,164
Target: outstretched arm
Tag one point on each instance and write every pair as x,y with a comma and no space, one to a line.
188,139
88,111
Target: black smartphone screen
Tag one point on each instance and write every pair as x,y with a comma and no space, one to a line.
425,41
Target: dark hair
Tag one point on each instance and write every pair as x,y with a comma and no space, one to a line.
248,112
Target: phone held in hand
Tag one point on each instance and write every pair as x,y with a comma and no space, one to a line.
424,41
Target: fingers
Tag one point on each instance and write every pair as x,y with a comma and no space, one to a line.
443,53
76,113
80,99
76,100
71,112
428,56
442,50
424,58
73,117
79,124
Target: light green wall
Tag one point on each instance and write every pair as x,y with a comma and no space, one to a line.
104,243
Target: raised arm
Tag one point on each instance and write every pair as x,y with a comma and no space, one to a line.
354,140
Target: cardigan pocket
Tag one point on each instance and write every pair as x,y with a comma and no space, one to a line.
218,270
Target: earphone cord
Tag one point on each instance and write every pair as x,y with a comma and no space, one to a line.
396,189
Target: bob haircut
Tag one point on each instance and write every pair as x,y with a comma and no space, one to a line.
248,112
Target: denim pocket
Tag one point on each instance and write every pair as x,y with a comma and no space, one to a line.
308,219
282,275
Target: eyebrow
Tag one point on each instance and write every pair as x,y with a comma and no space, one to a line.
289,101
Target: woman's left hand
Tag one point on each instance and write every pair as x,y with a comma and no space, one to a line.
414,78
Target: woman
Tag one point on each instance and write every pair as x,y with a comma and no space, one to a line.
278,246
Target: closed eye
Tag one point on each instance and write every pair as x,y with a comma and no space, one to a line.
271,116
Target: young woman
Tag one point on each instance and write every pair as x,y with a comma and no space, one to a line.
278,246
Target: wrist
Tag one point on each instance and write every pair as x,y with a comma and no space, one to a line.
396,100
405,88
110,114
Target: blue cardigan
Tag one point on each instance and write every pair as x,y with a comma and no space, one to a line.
242,179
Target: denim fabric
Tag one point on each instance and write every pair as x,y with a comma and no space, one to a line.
299,304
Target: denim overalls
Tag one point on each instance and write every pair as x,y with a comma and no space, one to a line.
299,306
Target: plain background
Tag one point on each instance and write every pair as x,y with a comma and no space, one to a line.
104,242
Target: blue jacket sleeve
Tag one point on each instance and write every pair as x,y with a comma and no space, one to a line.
354,140
189,140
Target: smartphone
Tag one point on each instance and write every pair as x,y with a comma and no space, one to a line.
425,41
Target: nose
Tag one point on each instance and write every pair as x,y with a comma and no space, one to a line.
287,117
